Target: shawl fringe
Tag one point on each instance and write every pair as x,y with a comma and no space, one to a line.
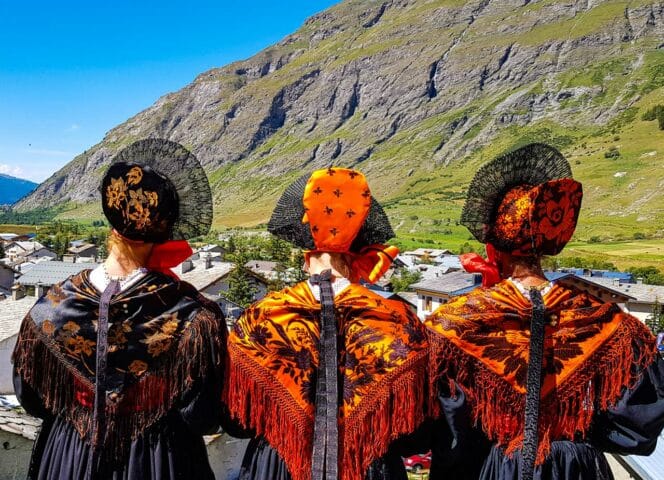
45,369
396,407
565,413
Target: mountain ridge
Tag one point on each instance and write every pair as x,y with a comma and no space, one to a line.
417,94
13,188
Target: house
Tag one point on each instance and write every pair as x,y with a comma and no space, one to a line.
431,272
46,274
405,261
7,276
21,249
409,298
212,250
434,292
8,237
12,312
211,277
639,299
77,243
203,273
232,311
264,268
448,262
42,253
604,292
86,250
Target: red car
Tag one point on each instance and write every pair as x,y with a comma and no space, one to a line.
418,462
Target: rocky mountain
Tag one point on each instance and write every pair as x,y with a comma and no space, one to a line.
12,189
417,94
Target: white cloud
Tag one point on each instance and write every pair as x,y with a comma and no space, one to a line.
48,153
73,128
9,170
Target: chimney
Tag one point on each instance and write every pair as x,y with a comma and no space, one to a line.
39,290
208,262
639,280
186,266
18,292
616,282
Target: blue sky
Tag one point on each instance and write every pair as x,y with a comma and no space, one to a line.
72,70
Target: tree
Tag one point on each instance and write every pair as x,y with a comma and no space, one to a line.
297,264
240,288
230,244
280,281
404,278
279,250
656,320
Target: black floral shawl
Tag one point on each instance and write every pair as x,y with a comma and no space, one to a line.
163,336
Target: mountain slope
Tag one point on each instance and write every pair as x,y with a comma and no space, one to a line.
417,94
12,189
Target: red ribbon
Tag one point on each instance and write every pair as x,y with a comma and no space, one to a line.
167,255
474,263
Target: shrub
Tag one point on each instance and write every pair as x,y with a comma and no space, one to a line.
612,152
639,236
653,113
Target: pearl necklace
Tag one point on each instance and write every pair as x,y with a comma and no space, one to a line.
122,279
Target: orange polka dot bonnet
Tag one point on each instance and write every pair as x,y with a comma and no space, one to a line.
333,210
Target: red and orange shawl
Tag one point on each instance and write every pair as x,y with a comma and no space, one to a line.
382,363
592,352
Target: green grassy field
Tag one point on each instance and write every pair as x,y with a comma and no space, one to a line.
17,229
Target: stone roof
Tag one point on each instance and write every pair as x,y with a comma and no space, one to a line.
11,315
201,277
52,272
14,420
82,248
27,246
453,283
408,297
262,267
641,292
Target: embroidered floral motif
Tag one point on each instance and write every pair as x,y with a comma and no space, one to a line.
136,203
138,367
134,176
285,340
116,193
151,336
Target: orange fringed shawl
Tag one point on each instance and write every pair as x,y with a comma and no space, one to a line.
382,362
592,351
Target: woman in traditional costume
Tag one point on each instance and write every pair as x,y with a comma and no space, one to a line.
123,362
552,375
329,376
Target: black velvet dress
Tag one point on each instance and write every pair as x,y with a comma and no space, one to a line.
173,448
262,462
162,384
630,428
